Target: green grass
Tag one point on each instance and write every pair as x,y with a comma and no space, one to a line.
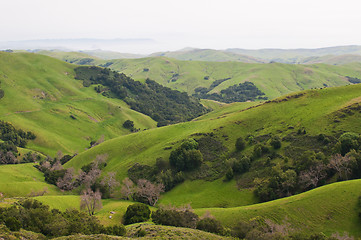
204,194
274,79
329,209
22,179
313,111
52,95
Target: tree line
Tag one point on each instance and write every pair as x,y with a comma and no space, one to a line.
164,105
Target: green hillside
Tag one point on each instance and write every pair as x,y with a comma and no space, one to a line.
208,55
22,180
274,79
315,111
41,95
328,209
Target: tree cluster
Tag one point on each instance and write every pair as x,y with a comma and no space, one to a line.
186,157
242,92
164,105
34,216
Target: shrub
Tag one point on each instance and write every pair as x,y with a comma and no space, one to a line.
276,143
137,212
175,217
240,144
210,225
115,230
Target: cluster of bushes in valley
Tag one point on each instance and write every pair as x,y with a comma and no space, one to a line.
34,216
242,92
164,105
13,138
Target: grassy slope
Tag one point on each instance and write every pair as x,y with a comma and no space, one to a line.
312,111
22,179
51,94
273,79
331,208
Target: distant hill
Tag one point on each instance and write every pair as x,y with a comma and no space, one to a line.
296,55
106,55
210,55
273,79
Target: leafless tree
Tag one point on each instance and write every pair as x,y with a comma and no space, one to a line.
59,155
312,176
149,191
46,165
100,159
342,165
57,166
110,181
91,201
8,158
66,182
91,177
127,188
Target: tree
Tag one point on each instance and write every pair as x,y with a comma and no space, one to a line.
342,165
137,212
66,182
127,189
128,124
312,176
240,144
91,201
148,192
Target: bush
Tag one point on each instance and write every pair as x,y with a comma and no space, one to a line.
210,225
137,212
240,144
276,143
175,217
115,230
186,157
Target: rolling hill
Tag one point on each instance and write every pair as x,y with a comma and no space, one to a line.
41,95
274,79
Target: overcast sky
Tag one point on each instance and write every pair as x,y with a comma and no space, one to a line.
175,24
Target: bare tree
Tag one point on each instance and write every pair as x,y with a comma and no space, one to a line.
8,158
91,177
110,181
100,159
127,188
91,201
149,191
342,165
312,176
59,155
66,182
57,166
46,165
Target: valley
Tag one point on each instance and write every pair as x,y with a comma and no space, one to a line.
245,166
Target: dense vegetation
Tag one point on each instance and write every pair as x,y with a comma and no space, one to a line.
242,92
34,216
164,105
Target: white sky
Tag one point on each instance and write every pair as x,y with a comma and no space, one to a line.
176,24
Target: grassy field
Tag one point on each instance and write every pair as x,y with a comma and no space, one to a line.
22,179
218,194
329,209
273,79
64,115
